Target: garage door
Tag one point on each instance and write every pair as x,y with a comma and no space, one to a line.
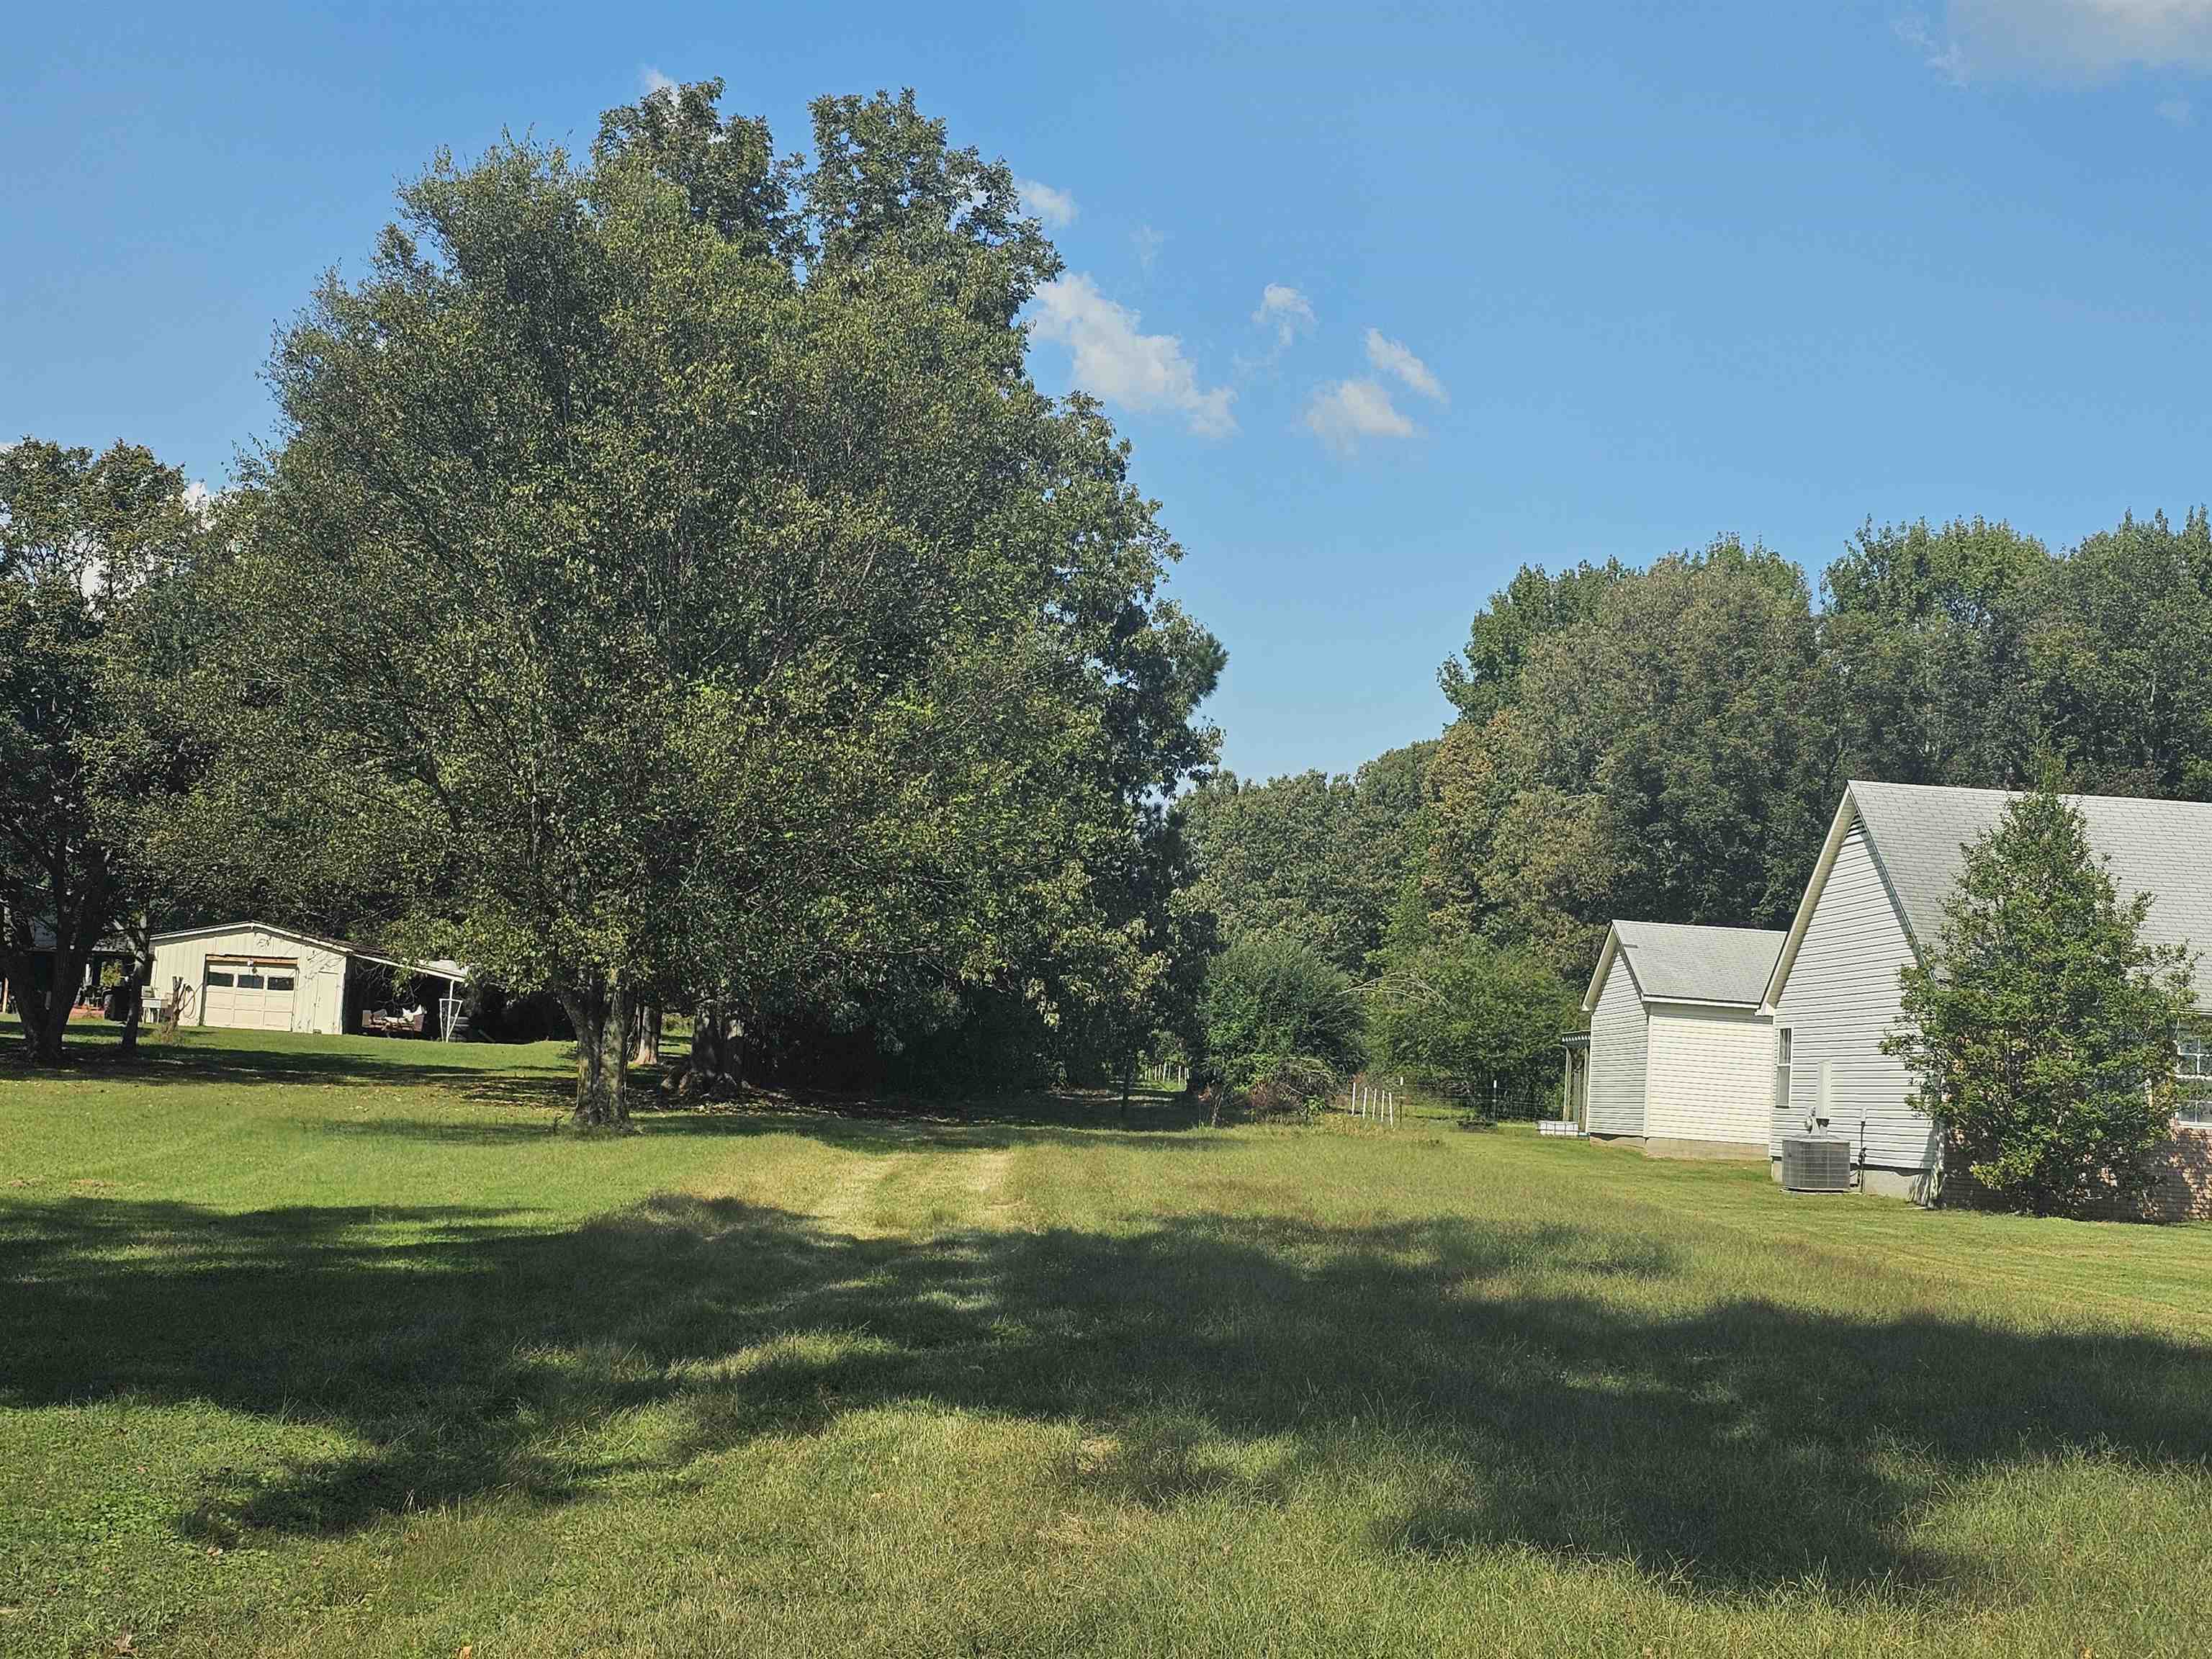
255,992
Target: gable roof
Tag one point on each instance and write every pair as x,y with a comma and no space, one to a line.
1673,962
440,968
1918,834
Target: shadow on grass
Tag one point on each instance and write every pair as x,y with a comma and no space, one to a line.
1494,1373
495,1075
491,1073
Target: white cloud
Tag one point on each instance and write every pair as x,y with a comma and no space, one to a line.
1943,56
1284,309
1344,412
1148,242
1055,208
651,80
2065,40
2176,111
1392,358
1116,364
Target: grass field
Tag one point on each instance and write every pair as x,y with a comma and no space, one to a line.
334,1346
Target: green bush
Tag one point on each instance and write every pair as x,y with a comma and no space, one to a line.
1269,1000
1473,1018
1290,1085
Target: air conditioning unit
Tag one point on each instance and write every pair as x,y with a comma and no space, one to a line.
1816,1163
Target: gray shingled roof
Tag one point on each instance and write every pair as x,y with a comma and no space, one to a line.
2162,848
1676,963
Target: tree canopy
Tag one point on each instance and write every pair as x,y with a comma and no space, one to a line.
666,562
92,549
1316,858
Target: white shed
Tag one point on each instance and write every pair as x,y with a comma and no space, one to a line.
257,976
1681,1058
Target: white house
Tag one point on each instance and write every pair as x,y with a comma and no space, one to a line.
1892,857
1680,1058
260,976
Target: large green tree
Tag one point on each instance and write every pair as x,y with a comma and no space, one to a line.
2116,659
1316,858
1485,676
1669,754
92,550
666,563
1925,647
2040,1023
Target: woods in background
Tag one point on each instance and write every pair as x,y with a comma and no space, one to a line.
1668,744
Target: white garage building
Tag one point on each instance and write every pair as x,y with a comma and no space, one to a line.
261,977
1681,1059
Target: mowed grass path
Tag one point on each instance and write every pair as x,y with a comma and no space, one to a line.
319,1346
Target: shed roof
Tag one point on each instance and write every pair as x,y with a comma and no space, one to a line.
1676,962
1919,833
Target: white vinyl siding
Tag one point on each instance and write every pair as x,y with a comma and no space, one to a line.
318,979
1710,1076
1841,999
1617,1056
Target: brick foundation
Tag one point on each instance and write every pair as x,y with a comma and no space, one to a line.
2183,1188
2180,1191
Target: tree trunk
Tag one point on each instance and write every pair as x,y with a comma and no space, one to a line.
600,1010
134,999
717,1067
46,1009
78,921
645,1051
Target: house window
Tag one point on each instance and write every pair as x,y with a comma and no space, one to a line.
1782,1069
2193,1072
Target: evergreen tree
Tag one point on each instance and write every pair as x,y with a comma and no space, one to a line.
2040,1023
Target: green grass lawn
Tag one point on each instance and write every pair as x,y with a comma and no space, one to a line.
336,1346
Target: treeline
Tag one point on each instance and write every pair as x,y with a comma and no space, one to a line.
664,589
1670,743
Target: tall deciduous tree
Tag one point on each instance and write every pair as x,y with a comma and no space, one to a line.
1668,755
90,549
1926,649
1317,858
668,565
2040,1023
1485,676
2116,659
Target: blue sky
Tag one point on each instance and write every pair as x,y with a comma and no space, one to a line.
1388,302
